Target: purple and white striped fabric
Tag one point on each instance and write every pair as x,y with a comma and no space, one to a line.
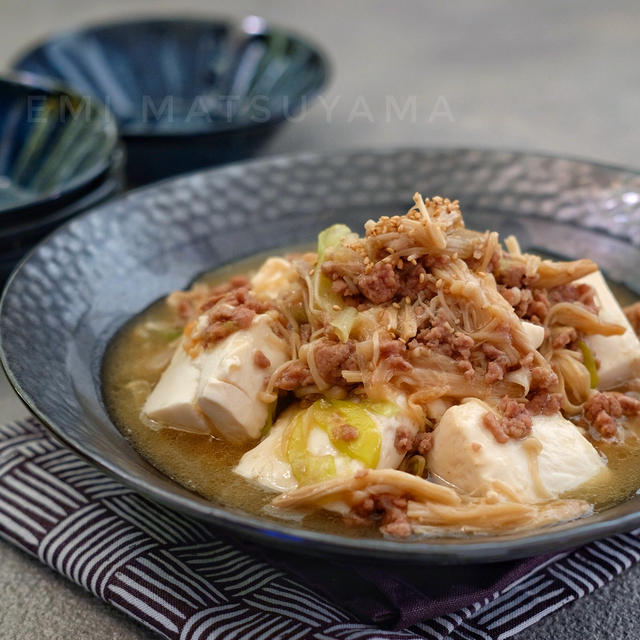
173,575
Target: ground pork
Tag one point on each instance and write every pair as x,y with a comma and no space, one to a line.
343,276
380,285
442,337
495,372
563,336
572,292
497,365
387,509
423,442
189,304
403,440
392,353
529,304
543,378
544,403
260,360
414,279
512,420
332,358
604,408
295,374
345,432
229,313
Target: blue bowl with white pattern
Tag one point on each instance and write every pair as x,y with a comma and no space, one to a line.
186,92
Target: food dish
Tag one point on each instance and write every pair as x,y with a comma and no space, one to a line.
421,378
217,92
62,307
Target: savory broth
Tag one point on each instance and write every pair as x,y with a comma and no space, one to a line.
204,464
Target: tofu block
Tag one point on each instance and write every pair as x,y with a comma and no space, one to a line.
466,454
267,465
619,356
273,277
218,391
173,400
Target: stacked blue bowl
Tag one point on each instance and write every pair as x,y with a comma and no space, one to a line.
186,92
59,155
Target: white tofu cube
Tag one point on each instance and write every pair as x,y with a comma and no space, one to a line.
466,454
619,356
218,390
265,464
173,400
273,277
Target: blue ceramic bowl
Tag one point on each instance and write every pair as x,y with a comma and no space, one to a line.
55,147
186,92
17,239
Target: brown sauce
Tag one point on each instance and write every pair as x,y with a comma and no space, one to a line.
204,464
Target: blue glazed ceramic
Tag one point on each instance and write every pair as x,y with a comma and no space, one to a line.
16,240
76,289
186,92
55,146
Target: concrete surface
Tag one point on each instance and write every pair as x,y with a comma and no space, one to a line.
557,77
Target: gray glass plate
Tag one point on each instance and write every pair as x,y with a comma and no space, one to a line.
82,283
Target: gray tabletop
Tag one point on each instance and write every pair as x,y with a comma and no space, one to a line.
518,75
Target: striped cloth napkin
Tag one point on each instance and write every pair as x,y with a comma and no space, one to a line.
177,577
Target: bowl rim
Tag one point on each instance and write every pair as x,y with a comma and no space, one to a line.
316,543
137,129
113,178
26,82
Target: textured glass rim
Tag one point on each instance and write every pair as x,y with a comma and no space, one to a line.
427,551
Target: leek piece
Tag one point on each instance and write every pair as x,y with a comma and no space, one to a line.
330,237
330,416
328,299
590,363
343,322
307,467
